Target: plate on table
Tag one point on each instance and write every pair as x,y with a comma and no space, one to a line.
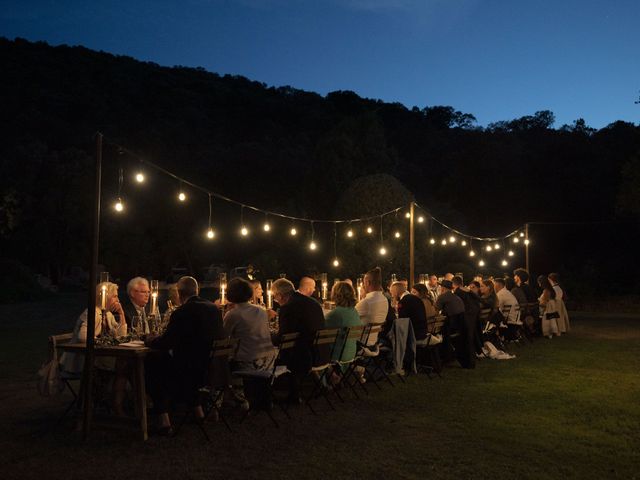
133,344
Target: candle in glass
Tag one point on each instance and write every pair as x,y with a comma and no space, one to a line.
104,278
360,287
394,278
223,289
422,279
154,297
269,294
325,285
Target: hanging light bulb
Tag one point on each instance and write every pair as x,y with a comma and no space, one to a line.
312,245
452,239
472,253
118,206
444,241
266,227
516,239
489,248
496,246
336,262
350,233
140,177
432,241
182,196
504,263
463,243
481,263
244,231
511,253
407,215
397,234
526,241
522,234
383,251
369,230
210,233
293,232
420,219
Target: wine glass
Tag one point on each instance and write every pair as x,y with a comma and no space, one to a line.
136,326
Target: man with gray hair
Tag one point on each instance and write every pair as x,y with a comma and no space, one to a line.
177,376
136,303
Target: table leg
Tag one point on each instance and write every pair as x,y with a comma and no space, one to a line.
141,400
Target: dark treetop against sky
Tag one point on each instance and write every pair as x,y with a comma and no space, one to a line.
496,59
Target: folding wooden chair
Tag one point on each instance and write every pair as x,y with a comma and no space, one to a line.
431,343
318,373
267,378
368,359
211,394
66,377
353,334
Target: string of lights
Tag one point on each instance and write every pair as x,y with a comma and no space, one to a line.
451,235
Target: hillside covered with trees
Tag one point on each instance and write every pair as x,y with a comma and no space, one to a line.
297,153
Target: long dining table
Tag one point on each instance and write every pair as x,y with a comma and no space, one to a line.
136,355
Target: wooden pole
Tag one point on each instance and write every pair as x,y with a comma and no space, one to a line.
91,304
526,246
411,246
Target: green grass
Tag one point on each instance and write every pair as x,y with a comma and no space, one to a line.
564,408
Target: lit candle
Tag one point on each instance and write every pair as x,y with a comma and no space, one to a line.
360,287
325,285
103,297
223,289
269,294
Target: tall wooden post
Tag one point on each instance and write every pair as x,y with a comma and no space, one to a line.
91,304
526,246
411,246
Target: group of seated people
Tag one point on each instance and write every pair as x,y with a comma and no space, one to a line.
178,364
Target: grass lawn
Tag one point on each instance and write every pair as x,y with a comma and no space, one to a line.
564,408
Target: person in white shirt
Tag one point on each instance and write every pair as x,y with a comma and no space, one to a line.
505,297
373,308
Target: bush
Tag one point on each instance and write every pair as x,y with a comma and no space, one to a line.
18,283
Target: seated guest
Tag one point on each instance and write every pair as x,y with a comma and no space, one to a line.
509,283
136,303
472,328
420,290
257,298
74,362
298,314
523,292
411,307
474,287
448,303
505,297
488,298
173,302
373,308
452,307
448,276
250,325
432,286
177,376
343,317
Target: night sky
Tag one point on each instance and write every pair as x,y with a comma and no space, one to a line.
498,59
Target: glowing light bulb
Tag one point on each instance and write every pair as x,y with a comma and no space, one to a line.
496,246
489,248
293,232
312,246
266,227
432,241
526,242
210,233
383,251
407,215
420,219
369,230
463,243
516,239
244,231
522,234
481,263
397,234
182,197
119,206
139,177
452,239
336,263
511,253
504,263
444,241
349,233
472,253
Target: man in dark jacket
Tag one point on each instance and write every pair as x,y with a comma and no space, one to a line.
468,343
411,307
177,375
299,314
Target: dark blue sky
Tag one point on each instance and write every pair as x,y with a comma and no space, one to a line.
497,59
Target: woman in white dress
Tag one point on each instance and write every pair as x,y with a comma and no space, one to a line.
548,308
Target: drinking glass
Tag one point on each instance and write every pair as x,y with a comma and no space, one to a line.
136,326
